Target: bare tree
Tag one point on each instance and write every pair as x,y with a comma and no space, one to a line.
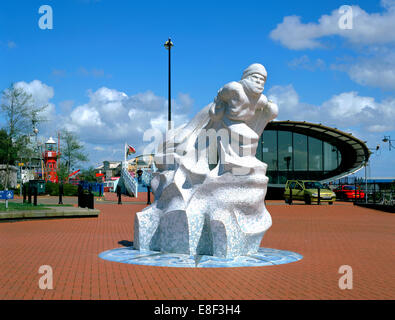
19,113
72,150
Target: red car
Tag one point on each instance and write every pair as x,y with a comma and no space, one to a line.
348,192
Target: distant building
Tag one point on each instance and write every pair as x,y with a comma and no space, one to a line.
110,169
113,168
309,151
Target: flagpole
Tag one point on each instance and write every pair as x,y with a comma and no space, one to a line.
125,152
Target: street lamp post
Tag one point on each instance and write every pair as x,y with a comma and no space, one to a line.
388,139
366,179
35,131
168,44
366,174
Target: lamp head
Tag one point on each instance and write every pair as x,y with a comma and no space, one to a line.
168,44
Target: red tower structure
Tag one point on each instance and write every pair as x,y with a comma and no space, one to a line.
51,161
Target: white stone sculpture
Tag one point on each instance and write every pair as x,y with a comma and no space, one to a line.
210,188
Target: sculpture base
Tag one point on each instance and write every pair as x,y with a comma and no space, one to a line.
264,257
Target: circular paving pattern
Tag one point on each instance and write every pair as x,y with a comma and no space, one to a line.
264,257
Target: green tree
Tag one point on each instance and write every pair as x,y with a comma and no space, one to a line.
72,151
62,172
21,148
89,175
4,146
19,112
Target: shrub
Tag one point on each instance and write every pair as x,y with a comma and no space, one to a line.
52,188
68,189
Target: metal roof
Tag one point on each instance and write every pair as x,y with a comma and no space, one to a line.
51,140
354,152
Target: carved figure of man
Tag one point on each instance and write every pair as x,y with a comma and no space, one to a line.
214,208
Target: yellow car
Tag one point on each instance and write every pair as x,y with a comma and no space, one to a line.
307,191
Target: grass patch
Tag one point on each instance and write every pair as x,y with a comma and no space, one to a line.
13,206
57,205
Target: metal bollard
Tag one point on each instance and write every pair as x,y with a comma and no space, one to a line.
119,195
319,196
29,194
80,195
83,200
35,196
148,195
61,193
79,200
374,193
24,193
89,200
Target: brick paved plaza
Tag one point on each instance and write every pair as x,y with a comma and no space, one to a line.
327,237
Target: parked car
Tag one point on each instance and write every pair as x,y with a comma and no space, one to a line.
348,192
307,191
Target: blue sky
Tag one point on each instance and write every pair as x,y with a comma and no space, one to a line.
102,69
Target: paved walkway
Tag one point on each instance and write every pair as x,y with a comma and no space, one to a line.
327,237
142,198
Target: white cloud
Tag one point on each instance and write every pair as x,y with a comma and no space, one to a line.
374,71
367,28
59,73
41,94
346,110
11,44
98,148
86,116
185,101
290,107
372,36
96,73
66,106
111,117
305,63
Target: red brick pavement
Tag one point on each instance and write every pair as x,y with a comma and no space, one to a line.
327,237
142,197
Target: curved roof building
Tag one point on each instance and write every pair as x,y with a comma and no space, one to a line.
309,151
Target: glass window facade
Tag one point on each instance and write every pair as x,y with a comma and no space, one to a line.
330,157
269,149
315,154
285,151
291,155
300,152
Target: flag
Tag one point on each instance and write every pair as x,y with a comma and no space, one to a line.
130,150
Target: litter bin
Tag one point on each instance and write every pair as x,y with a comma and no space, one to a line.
39,184
89,200
81,202
85,200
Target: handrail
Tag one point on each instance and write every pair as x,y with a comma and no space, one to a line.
130,184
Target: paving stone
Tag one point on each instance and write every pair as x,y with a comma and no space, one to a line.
327,237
